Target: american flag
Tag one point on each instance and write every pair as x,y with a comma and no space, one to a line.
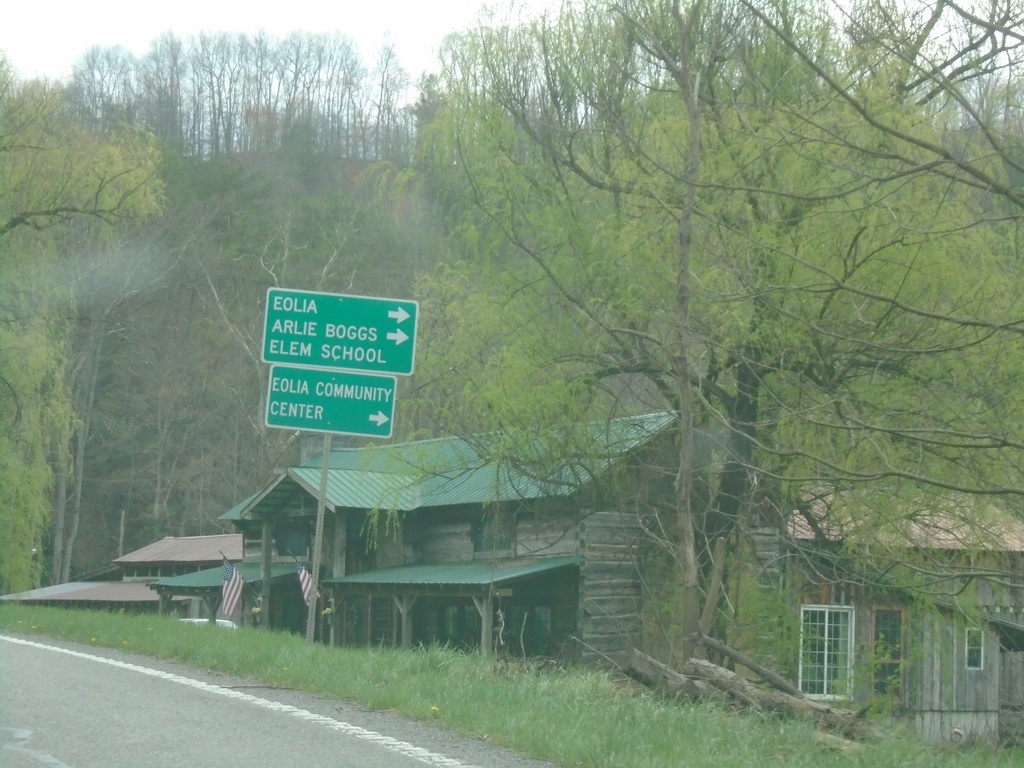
231,590
305,582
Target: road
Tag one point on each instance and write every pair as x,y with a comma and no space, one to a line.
69,706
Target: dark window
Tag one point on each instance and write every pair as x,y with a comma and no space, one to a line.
355,628
460,626
530,630
493,532
888,651
292,540
382,620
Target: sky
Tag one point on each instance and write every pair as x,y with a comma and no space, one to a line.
46,40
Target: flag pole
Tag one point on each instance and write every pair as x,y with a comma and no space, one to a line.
318,540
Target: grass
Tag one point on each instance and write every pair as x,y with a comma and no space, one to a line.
574,717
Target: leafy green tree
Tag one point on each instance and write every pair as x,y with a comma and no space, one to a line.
54,181
659,204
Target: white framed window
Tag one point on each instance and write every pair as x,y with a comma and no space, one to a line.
975,648
826,640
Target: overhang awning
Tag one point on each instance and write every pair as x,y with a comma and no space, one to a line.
203,581
1010,631
88,592
468,576
1007,626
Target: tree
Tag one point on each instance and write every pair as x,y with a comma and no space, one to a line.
53,180
177,433
730,208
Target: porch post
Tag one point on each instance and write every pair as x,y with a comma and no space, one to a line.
265,559
369,618
405,603
318,540
485,605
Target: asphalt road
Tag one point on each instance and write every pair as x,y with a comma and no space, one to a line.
70,706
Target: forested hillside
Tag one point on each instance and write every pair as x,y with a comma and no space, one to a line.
222,94
795,225
131,351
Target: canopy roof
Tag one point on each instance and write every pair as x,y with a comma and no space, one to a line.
116,592
212,578
452,471
475,573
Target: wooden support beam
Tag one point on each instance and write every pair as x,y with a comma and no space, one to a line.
485,605
318,540
405,603
266,546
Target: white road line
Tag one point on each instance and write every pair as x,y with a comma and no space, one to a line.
21,739
387,742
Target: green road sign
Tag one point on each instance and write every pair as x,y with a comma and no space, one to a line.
336,331
317,400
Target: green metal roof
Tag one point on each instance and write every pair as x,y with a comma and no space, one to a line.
213,577
470,573
453,470
235,513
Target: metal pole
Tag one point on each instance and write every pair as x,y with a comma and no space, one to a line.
318,540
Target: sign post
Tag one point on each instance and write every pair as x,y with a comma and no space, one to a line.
327,351
318,536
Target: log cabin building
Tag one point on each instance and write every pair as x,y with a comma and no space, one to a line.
438,541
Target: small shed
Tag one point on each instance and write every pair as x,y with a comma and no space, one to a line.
947,659
125,583
176,555
126,595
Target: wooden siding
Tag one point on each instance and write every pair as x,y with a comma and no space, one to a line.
943,699
546,538
958,727
1011,680
448,542
609,600
948,701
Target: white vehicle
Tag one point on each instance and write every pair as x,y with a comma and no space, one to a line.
219,622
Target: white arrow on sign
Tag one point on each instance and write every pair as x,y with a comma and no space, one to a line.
399,314
397,336
379,418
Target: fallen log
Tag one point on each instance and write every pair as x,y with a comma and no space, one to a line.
698,676
654,674
838,743
764,673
